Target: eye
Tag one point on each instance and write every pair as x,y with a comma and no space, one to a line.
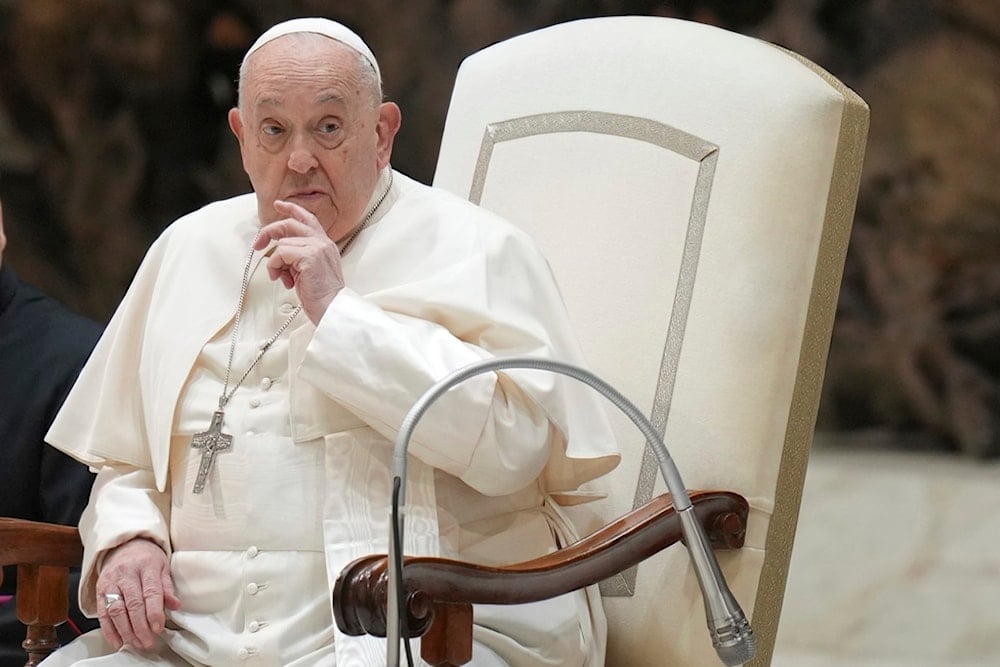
329,132
271,129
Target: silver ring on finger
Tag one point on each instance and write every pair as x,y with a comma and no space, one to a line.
111,598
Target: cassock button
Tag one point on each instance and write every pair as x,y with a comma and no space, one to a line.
252,588
252,552
287,308
254,402
266,383
243,654
253,626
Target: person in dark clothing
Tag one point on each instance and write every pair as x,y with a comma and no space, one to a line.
43,345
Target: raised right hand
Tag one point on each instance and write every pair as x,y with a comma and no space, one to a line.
138,571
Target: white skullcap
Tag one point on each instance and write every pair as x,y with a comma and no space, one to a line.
320,26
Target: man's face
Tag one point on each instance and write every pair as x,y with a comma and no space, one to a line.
310,130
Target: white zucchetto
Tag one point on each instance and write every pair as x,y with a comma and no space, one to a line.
320,26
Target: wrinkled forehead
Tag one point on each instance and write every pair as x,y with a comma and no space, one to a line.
307,71
325,27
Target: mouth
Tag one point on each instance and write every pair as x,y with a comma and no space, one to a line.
305,195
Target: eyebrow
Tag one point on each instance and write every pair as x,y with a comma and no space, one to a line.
268,102
331,97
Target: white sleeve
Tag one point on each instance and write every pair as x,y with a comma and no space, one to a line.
124,504
485,431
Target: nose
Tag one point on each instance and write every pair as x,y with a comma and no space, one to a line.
302,158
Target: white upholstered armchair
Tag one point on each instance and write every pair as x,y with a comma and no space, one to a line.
693,190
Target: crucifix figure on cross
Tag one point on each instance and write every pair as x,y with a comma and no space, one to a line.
210,442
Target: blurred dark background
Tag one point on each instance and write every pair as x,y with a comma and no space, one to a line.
112,124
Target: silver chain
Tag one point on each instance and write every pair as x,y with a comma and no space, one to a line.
368,216
226,393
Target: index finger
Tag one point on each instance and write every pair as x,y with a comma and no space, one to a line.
298,221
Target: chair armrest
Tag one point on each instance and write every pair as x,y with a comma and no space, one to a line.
441,591
43,554
37,543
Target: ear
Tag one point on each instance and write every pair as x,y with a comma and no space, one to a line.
389,120
236,124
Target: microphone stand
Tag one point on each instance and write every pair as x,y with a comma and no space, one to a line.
730,631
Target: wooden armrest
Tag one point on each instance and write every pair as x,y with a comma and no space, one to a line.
440,592
37,543
43,554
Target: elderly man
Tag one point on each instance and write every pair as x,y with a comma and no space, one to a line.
241,407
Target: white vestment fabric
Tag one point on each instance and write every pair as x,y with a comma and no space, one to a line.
434,283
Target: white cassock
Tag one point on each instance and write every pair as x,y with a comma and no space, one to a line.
434,283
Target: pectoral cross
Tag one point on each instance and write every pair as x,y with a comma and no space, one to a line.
210,442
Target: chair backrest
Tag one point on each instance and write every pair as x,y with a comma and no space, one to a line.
693,189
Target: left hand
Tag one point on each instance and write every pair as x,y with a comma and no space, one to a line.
304,258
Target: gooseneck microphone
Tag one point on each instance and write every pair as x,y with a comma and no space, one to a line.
731,633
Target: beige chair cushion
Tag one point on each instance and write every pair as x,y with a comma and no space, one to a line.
693,190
